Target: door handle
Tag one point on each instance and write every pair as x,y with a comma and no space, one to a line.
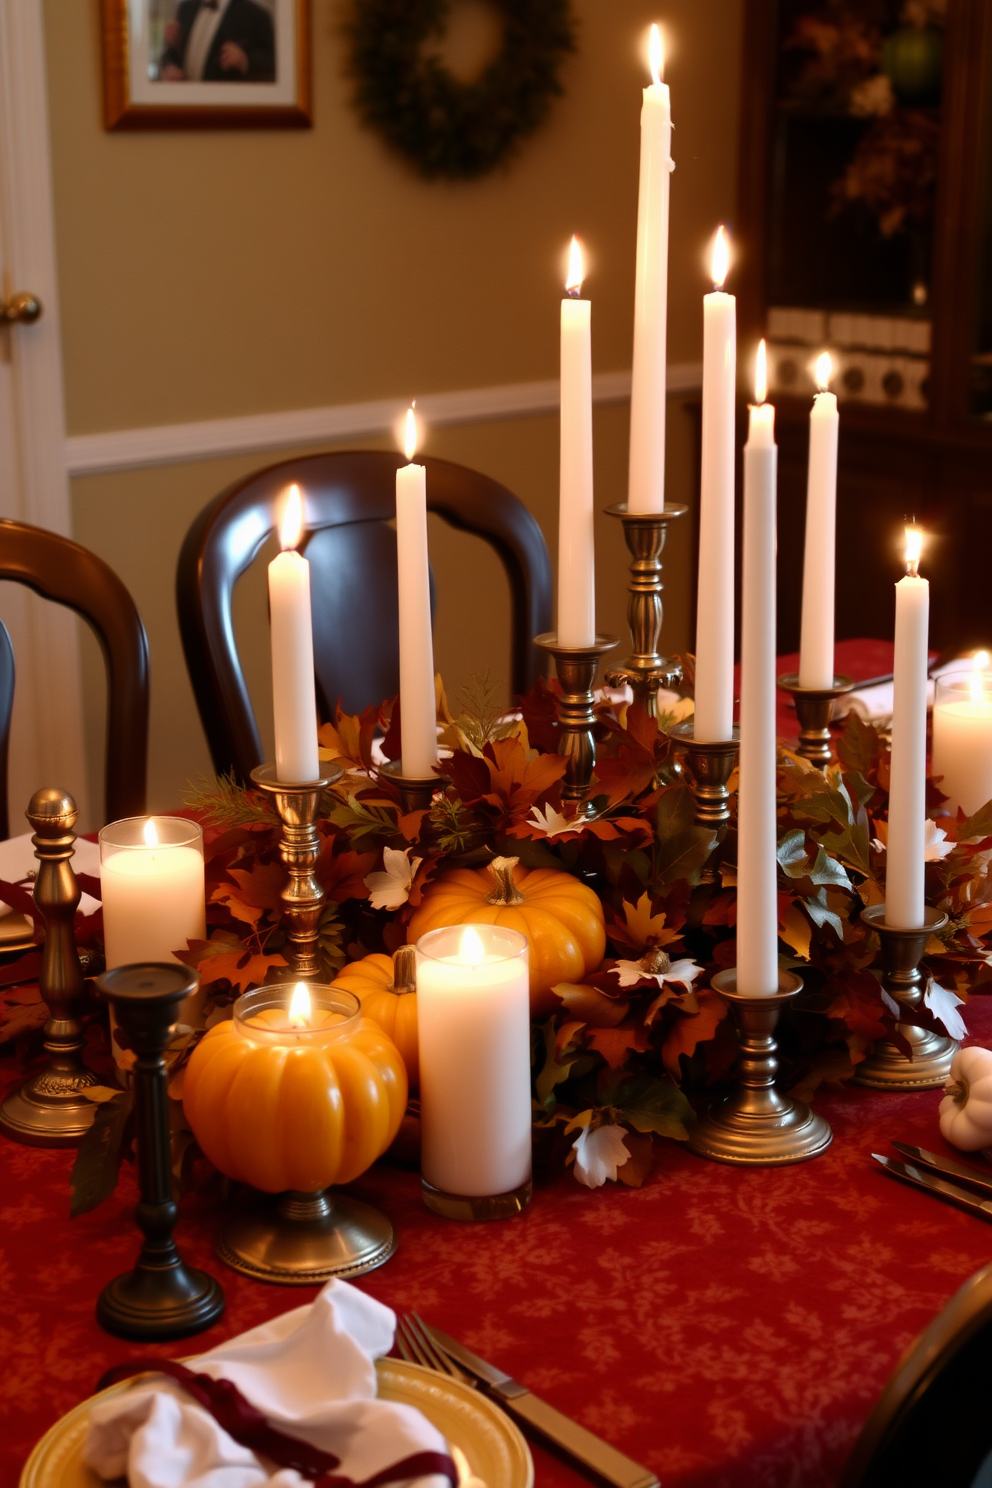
20,309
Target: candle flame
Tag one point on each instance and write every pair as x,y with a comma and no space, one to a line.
576,268
471,950
299,1006
979,666
291,522
410,432
824,371
761,373
720,257
914,547
656,54
151,833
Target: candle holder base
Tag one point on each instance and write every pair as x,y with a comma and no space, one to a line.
305,1239
158,1302
303,898
645,669
756,1126
50,1110
710,766
416,792
813,709
887,1067
576,668
475,1208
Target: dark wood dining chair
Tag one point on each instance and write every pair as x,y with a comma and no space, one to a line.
932,1424
349,508
60,570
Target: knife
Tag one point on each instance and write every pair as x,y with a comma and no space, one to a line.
586,1449
938,1186
947,1165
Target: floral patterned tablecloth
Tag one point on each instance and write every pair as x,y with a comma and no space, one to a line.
726,1328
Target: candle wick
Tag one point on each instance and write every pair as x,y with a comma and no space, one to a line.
574,291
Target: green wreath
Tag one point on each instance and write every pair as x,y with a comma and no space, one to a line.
444,126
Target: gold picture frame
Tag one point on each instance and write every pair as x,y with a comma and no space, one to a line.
249,60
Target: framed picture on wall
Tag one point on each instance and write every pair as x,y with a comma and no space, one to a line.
206,64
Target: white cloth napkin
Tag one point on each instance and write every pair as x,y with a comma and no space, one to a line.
17,860
311,1372
874,704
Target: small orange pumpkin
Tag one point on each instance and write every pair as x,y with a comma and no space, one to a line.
387,989
561,918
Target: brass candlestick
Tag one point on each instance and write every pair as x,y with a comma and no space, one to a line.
50,1109
887,1067
756,1125
645,668
416,791
162,1297
576,667
813,709
302,897
710,766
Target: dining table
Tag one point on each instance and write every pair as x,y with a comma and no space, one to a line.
724,1326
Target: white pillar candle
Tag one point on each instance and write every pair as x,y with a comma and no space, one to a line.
576,561
904,860
816,653
962,737
154,901
646,484
757,870
294,700
418,709
713,719
473,1017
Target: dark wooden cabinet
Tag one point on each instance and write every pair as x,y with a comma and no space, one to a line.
916,322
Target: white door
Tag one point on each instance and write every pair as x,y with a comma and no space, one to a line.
47,742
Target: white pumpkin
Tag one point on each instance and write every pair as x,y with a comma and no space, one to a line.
966,1110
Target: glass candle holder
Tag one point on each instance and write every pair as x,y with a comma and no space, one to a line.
154,900
962,739
297,1091
473,1014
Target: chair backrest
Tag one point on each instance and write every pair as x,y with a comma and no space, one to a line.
932,1424
7,674
349,505
62,571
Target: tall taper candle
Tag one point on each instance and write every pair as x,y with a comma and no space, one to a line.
418,709
294,701
757,903
904,860
713,719
576,557
646,484
816,653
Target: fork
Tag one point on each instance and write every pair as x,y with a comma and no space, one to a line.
417,1346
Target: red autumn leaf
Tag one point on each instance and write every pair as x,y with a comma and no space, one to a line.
540,714
343,873
225,958
517,783
469,776
688,1031
857,1003
616,1043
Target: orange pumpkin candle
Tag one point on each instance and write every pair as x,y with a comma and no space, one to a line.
295,1091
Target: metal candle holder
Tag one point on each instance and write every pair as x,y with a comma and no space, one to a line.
416,791
645,669
576,667
162,1297
887,1067
710,766
50,1109
303,1239
756,1126
813,709
302,897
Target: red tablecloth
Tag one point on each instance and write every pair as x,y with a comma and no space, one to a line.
723,1327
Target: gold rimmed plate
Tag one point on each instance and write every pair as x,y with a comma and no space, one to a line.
495,1450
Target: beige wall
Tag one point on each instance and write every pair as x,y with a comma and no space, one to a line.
205,275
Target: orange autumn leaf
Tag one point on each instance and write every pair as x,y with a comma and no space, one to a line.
517,783
641,927
225,958
343,874
616,1043
688,1032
